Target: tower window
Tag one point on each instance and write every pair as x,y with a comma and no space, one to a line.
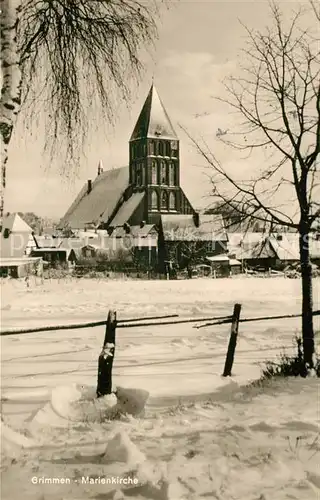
172,201
168,148
172,180
154,200
143,174
163,173
154,173
161,148
138,175
164,201
174,149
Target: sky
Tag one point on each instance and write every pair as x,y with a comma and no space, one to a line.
199,44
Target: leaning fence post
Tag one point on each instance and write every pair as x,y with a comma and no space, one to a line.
106,357
232,340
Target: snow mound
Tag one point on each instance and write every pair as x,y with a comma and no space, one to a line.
78,404
122,449
13,443
131,401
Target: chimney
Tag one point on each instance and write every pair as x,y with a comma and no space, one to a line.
89,189
142,223
127,228
196,219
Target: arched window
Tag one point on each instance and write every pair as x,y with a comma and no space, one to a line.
163,173
154,200
172,201
164,201
167,148
138,175
161,148
154,176
172,177
151,148
143,175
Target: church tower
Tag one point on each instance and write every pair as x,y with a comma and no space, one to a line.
154,160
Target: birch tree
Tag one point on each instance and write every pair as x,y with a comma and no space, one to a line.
276,99
69,55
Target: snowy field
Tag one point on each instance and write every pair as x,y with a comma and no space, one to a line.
201,436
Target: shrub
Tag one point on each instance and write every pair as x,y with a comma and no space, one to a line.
289,366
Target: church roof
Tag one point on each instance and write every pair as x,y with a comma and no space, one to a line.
97,205
153,120
127,209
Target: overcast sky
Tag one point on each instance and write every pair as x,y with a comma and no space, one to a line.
198,46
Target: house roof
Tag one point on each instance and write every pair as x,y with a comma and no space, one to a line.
15,245
315,249
15,236
218,258
287,248
126,210
153,120
16,261
15,224
98,205
182,227
260,245
224,258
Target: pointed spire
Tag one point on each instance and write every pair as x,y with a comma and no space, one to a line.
100,167
153,120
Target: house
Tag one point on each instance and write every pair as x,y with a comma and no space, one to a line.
186,239
265,251
20,267
222,265
17,238
56,257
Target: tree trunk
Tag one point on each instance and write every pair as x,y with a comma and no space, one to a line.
306,276
11,84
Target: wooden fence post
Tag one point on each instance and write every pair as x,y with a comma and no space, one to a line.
106,357
232,340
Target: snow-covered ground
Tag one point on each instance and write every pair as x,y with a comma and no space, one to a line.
240,445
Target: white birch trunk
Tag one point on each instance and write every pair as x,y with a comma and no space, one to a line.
10,84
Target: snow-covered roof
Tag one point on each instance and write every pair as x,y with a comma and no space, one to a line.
15,224
179,227
153,120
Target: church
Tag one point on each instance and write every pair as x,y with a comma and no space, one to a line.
149,187
147,193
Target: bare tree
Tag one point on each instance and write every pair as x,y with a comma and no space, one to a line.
277,97
64,57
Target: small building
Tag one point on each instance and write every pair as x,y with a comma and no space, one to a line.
222,265
56,257
186,240
21,267
17,238
265,251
